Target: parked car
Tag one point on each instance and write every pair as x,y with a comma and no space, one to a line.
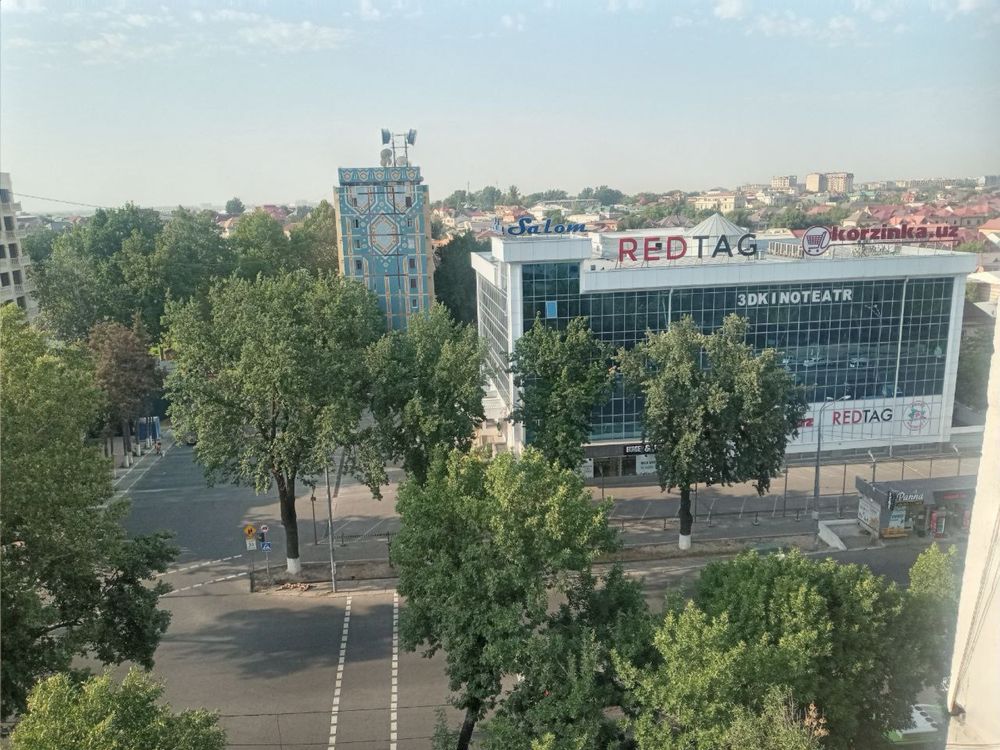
857,362
813,360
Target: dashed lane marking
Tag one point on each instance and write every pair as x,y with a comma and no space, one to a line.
394,694
207,583
198,565
340,675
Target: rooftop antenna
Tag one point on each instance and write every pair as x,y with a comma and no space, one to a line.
399,142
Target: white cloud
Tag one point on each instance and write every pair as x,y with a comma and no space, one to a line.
368,11
989,9
729,10
616,5
879,10
19,42
783,24
109,47
679,22
513,22
239,16
22,6
293,37
842,25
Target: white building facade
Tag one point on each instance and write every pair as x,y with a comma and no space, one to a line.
874,329
16,286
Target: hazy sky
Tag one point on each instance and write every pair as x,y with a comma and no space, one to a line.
191,102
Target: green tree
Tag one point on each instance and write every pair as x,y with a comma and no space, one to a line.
37,245
716,412
608,196
970,247
315,240
563,376
428,389
740,217
932,599
586,193
261,246
974,356
190,253
73,584
235,207
832,635
124,371
89,276
488,197
270,377
556,215
780,726
102,715
482,545
568,686
513,196
454,277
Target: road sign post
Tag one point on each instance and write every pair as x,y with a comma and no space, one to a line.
250,532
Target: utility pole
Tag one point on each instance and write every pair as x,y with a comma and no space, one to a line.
329,508
819,445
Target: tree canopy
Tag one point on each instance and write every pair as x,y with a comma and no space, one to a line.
715,412
454,278
481,545
271,378
102,715
315,240
73,583
827,634
974,356
427,389
563,376
234,207
124,370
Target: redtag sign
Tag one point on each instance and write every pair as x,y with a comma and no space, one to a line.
675,247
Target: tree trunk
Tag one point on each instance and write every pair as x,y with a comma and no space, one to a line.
465,735
289,519
684,540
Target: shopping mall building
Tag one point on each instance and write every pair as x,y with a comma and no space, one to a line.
871,331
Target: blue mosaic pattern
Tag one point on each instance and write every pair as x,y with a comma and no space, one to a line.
383,225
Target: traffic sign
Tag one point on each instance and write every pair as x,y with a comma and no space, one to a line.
249,531
264,527
251,545
266,546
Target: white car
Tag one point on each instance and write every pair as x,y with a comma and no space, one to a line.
856,363
814,361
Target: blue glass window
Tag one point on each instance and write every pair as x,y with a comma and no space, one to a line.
551,309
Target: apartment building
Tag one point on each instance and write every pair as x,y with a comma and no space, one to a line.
724,202
840,182
816,182
784,181
15,284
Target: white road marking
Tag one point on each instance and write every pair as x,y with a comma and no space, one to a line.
394,694
133,466
340,674
206,583
198,565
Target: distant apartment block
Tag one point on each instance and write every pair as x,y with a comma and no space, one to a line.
840,182
784,182
724,202
816,182
15,285
989,181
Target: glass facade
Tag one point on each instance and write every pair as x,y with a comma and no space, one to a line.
878,338
493,329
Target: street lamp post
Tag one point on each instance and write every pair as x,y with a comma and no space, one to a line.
819,446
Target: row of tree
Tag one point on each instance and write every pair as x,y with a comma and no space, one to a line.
714,411
496,562
490,197
274,375
127,261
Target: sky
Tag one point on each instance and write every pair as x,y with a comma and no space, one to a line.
192,102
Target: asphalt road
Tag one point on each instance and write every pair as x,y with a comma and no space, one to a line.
290,669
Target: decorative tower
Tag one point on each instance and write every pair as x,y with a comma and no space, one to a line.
384,231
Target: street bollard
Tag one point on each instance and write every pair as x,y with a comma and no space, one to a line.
756,518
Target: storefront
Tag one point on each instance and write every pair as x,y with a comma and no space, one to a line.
873,328
939,507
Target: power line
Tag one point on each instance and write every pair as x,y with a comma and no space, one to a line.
59,200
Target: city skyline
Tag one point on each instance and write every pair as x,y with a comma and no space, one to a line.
194,103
